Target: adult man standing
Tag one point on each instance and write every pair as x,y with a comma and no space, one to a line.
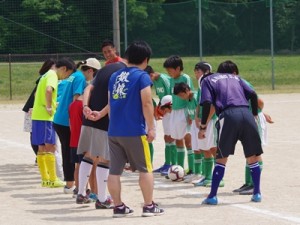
130,105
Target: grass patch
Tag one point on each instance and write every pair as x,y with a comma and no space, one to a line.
255,69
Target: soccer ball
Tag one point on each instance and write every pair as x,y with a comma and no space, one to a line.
176,173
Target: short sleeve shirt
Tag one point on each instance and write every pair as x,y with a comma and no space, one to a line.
39,111
162,85
126,113
71,86
99,95
224,91
179,103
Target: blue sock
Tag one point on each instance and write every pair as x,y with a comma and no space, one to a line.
216,179
255,174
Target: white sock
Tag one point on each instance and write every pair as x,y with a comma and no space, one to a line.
83,176
102,175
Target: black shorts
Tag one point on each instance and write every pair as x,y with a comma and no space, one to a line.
237,123
74,157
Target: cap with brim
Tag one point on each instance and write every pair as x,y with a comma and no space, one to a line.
166,100
92,63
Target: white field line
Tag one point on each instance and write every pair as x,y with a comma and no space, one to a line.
245,208
159,184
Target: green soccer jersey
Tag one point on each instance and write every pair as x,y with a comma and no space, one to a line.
178,103
162,85
251,86
39,111
191,106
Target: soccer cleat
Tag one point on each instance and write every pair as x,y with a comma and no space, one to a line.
108,204
45,183
69,190
83,199
154,210
122,211
200,178
162,168
248,191
93,197
242,188
57,183
256,198
75,192
164,172
201,183
210,201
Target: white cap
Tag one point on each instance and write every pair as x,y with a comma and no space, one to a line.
91,62
166,100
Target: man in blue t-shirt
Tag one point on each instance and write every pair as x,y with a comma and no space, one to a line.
230,96
130,107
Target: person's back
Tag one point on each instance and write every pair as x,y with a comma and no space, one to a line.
130,106
230,95
126,95
99,95
228,90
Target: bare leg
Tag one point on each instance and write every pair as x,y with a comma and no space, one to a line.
114,188
146,183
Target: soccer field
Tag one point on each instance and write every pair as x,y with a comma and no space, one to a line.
24,201
256,69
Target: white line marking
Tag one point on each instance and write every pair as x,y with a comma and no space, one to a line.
159,184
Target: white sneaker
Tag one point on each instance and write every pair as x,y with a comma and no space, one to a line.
68,190
198,179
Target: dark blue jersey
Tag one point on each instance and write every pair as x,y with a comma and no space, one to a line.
224,91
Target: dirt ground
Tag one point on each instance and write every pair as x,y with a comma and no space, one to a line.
24,201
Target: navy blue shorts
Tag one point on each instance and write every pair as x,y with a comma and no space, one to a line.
237,123
43,132
75,158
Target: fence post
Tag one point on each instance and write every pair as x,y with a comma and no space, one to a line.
10,78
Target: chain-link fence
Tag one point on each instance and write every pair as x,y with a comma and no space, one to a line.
31,31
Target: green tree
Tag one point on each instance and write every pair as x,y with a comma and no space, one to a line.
288,23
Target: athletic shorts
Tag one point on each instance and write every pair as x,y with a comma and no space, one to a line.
210,139
134,150
94,141
74,157
166,124
262,128
237,123
178,124
43,132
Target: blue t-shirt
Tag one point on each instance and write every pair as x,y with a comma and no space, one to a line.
70,86
126,113
225,90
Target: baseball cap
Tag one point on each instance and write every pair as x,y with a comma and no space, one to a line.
166,100
92,63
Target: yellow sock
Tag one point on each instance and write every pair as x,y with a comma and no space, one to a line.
50,162
42,166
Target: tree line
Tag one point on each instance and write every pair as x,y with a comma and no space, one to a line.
171,27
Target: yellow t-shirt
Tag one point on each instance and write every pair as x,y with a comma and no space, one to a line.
39,111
